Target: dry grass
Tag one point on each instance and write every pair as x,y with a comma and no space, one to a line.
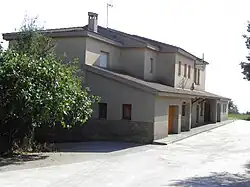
239,116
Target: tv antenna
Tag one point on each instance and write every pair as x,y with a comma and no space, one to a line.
109,5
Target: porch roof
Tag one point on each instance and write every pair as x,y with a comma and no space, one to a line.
152,87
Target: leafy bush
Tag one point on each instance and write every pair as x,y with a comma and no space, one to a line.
37,89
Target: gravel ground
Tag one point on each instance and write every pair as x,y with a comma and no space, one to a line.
71,153
219,157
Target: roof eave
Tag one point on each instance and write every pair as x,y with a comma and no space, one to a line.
59,34
191,56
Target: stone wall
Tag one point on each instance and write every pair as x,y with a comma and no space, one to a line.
120,130
141,132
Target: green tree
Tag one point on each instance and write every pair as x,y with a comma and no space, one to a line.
37,89
245,66
232,108
1,47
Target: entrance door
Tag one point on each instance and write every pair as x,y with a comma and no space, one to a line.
171,116
207,112
197,113
218,112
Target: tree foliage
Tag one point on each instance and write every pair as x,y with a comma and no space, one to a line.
245,66
37,89
232,108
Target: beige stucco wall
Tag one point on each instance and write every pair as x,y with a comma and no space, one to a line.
148,55
115,94
224,116
165,68
161,118
185,120
194,113
94,49
71,48
133,60
188,81
161,115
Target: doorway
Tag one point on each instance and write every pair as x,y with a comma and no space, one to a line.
207,112
218,112
197,113
171,118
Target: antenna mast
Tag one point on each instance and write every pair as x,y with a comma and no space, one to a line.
109,5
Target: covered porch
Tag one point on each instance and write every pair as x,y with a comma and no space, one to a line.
201,111
196,112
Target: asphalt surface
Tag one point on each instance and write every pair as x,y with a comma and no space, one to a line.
219,157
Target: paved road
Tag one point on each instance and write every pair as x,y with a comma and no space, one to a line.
220,156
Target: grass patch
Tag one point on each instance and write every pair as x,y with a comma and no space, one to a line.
239,116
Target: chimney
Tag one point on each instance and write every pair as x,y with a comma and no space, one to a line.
93,25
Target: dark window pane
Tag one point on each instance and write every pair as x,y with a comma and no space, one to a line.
183,110
179,69
126,111
102,110
202,109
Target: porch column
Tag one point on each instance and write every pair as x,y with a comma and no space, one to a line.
177,121
189,115
213,111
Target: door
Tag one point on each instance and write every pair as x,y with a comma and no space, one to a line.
171,116
218,112
197,113
207,112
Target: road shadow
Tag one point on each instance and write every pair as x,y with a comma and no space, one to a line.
20,159
214,180
95,146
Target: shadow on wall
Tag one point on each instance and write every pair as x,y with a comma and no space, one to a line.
216,179
20,159
95,146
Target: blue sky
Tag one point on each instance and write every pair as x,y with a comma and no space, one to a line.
212,27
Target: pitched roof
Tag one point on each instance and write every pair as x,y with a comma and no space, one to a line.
152,87
112,34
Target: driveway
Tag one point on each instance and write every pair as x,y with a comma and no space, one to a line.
214,158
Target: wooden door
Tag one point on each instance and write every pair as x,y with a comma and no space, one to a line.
171,116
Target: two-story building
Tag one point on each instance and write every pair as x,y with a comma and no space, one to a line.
148,89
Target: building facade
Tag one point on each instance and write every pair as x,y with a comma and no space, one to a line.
148,89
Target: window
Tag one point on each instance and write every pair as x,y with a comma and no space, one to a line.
198,81
179,69
151,65
195,75
104,60
202,108
189,71
224,108
126,111
183,110
102,110
185,70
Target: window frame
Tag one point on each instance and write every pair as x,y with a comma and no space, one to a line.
224,108
195,75
100,105
151,70
189,71
179,68
183,112
123,111
199,74
185,70
202,109
107,54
